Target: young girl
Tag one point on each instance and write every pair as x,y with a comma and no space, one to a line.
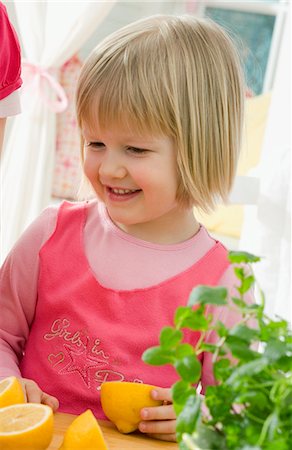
89,285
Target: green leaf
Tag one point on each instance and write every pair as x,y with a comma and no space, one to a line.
240,349
189,416
251,432
189,368
221,369
204,295
221,329
183,446
254,398
249,369
244,332
251,447
182,313
284,363
206,438
274,329
181,391
281,443
219,401
211,348
183,350
157,356
246,284
242,257
238,302
233,433
186,317
275,350
239,272
170,337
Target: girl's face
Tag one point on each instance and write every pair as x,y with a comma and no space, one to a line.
136,177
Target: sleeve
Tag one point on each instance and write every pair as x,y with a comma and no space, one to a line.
228,316
18,291
10,105
10,56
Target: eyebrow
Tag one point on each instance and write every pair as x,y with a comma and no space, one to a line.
137,140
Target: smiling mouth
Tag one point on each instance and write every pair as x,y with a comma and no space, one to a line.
119,191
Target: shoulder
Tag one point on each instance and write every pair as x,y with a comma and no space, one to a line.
38,232
22,262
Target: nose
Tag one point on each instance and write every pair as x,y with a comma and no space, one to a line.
112,166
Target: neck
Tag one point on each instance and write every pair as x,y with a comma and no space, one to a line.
165,230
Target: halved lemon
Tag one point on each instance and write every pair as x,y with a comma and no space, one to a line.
84,433
26,426
11,392
122,402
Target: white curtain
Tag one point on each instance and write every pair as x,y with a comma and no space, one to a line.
51,32
267,230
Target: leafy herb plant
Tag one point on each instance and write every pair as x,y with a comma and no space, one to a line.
250,407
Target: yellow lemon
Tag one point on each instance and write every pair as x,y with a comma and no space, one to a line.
11,392
84,433
26,426
123,401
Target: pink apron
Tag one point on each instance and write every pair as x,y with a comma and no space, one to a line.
84,333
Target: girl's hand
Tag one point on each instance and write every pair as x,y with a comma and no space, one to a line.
34,394
159,421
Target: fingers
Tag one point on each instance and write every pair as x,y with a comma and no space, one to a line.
35,395
162,394
49,400
159,422
165,427
158,413
164,437
33,392
164,412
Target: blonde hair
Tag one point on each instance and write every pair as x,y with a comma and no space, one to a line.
178,76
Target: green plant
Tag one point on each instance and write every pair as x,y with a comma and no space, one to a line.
250,407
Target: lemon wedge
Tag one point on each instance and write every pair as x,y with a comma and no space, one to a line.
122,402
26,426
11,392
84,433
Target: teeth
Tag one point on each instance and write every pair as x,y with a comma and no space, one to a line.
123,191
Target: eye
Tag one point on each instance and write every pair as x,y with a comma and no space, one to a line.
137,151
94,145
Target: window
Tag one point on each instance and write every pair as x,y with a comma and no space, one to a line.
257,28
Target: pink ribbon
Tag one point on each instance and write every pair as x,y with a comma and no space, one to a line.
33,73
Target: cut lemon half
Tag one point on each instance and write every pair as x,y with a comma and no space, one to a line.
84,433
26,426
122,402
11,392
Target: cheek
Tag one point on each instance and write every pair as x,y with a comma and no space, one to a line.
86,168
90,167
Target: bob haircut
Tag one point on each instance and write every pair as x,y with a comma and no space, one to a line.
178,76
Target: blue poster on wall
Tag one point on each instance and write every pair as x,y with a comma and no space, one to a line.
253,34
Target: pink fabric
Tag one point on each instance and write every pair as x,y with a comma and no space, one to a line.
117,260
57,100
68,170
84,333
10,68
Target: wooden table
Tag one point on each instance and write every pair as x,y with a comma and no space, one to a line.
114,439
